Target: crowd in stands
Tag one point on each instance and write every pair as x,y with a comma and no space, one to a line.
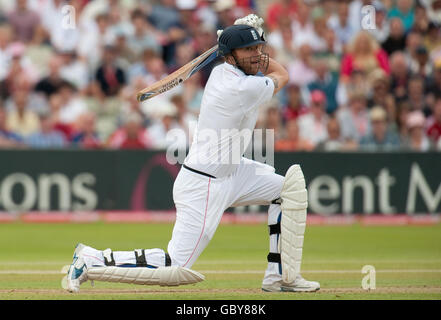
365,75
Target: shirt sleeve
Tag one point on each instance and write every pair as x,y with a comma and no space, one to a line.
255,91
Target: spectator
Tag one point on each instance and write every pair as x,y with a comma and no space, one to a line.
74,70
281,41
433,8
302,66
225,13
334,141
126,54
434,85
403,110
141,68
55,106
39,52
416,96
381,138
22,120
19,66
354,119
417,139
109,75
432,38
47,136
292,140
414,41
95,35
332,52
312,126
143,37
189,22
317,37
204,39
421,19
23,21
421,65
192,93
273,120
278,10
5,40
396,41
105,108
327,82
72,104
53,81
166,121
132,135
399,76
85,135
8,139
365,55
164,15
434,127
302,26
185,119
184,53
404,10
294,107
156,70
380,95
119,16
340,23
358,81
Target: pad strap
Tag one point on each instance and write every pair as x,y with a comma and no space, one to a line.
108,258
274,257
140,258
167,260
274,228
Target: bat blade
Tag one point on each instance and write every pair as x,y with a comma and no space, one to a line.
179,76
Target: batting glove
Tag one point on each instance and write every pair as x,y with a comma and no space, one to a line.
250,20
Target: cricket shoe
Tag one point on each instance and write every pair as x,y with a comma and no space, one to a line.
77,273
298,285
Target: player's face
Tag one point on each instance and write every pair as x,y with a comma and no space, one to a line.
251,59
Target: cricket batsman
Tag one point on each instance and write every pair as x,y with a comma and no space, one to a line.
213,179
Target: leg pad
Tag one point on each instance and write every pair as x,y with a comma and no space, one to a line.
162,276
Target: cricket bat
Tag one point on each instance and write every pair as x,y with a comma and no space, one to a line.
180,75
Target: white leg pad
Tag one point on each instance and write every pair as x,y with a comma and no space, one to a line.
162,276
294,204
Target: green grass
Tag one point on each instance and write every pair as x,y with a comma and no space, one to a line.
407,260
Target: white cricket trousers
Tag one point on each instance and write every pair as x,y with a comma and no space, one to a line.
201,201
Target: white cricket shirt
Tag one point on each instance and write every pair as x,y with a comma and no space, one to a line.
227,118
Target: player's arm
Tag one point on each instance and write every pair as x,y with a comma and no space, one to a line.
278,74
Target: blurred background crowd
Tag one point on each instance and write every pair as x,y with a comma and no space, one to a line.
70,71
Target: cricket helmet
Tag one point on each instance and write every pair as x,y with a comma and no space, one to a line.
238,36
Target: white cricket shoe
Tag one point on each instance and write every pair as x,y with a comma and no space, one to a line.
298,285
77,273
